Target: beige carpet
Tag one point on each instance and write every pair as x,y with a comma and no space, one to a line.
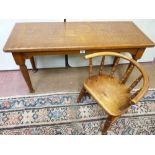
70,80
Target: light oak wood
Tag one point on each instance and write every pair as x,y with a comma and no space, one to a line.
63,38
101,66
127,73
138,66
111,93
132,51
134,84
134,95
82,93
108,92
19,59
114,67
60,36
109,121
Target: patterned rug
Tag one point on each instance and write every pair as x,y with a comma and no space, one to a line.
60,114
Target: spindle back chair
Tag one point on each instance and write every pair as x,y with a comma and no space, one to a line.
111,93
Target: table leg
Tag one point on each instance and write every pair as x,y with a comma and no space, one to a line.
20,60
139,54
66,61
33,64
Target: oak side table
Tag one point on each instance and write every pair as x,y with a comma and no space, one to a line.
35,39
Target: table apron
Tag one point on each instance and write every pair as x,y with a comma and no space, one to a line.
28,55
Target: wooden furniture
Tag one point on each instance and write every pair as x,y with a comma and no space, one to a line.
111,93
35,39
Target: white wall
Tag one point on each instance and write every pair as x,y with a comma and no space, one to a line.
7,62
148,27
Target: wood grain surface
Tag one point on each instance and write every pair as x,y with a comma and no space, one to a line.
111,92
60,36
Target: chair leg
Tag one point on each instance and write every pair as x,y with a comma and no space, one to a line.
82,93
109,121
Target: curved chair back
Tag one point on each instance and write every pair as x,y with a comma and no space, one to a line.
137,95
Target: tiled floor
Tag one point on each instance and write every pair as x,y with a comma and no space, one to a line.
54,80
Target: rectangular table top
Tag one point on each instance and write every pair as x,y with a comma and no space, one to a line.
57,36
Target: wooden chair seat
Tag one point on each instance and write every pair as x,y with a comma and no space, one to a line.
112,96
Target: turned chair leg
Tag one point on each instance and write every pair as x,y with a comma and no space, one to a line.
109,121
82,93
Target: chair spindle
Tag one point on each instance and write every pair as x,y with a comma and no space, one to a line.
101,66
135,94
114,66
134,84
127,73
